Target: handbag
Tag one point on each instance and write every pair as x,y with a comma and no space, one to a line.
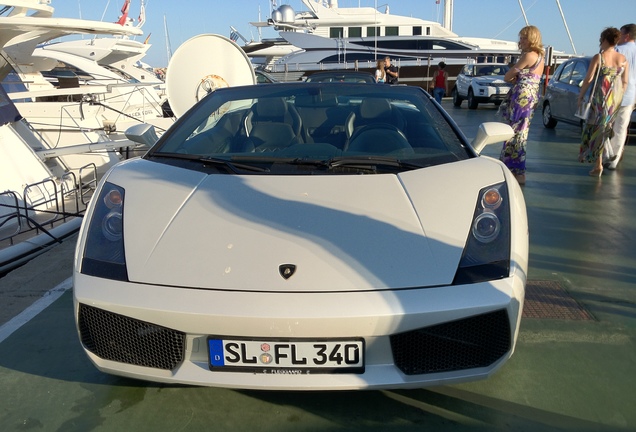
583,110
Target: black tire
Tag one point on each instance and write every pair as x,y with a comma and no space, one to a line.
472,101
457,100
548,121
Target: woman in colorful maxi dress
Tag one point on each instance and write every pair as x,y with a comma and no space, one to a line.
518,107
608,93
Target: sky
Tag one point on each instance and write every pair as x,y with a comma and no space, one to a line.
500,19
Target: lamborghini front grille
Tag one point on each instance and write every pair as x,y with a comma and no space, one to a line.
468,343
118,338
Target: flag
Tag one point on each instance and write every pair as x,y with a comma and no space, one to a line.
147,39
437,1
234,36
124,13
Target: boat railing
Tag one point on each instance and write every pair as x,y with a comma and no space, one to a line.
86,188
10,220
371,64
127,102
45,204
426,65
42,198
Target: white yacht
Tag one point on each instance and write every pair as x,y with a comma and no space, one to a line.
43,190
327,36
81,90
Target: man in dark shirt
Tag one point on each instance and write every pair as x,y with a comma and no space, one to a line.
391,71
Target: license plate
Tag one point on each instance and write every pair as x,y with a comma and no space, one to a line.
286,356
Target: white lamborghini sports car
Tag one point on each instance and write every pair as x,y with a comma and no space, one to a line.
305,236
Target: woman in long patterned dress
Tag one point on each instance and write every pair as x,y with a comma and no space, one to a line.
518,107
612,78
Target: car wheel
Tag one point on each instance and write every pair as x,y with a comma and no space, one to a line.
457,100
548,121
472,101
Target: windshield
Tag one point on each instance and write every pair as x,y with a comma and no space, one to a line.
492,70
323,128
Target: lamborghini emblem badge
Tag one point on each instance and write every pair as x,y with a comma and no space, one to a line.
287,270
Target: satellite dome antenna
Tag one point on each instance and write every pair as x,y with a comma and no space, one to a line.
202,65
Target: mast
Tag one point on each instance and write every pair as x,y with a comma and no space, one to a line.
523,11
566,26
168,48
448,15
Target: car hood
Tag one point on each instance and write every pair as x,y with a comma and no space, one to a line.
339,232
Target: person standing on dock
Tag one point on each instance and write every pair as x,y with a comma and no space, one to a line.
606,99
380,74
392,72
627,47
440,82
523,97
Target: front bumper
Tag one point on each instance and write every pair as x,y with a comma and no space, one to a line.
403,330
490,94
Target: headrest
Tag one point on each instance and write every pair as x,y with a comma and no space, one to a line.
271,107
374,108
316,101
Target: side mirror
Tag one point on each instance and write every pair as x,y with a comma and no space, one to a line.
491,133
142,133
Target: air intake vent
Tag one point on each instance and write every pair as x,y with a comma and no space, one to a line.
118,338
473,342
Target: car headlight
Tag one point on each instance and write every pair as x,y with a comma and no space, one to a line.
487,252
104,249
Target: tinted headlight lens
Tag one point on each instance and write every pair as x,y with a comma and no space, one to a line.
104,251
486,227
487,252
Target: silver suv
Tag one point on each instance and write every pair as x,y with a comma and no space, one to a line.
481,83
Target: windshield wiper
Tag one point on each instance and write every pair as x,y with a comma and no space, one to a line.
233,166
361,162
367,161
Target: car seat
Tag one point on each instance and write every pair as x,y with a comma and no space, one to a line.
272,124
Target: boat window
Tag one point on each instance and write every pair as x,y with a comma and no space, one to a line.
336,32
391,31
355,31
336,58
121,73
65,71
8,111
411,44
403,44
373,31
417,30
12,84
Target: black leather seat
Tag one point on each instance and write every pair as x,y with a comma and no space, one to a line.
272,124
373,111
379,139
